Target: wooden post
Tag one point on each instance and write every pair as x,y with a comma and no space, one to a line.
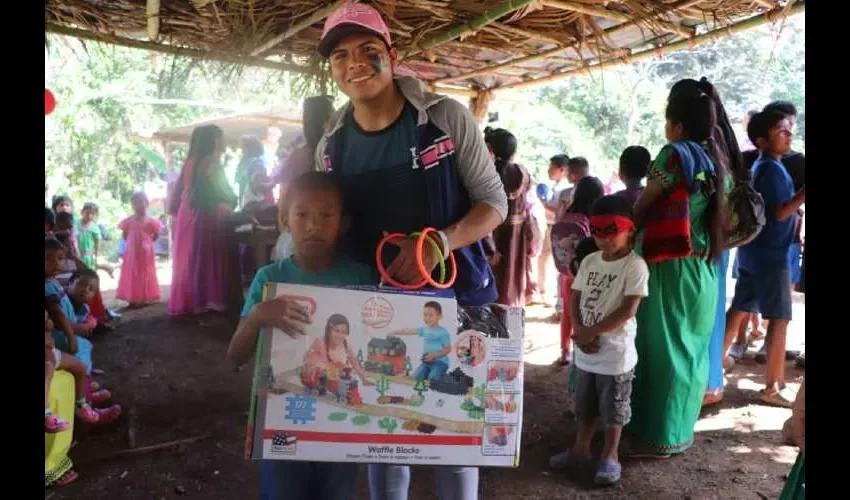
480,104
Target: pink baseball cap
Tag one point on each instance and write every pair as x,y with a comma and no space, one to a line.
352,18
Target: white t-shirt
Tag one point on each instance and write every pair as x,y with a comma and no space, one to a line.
603,286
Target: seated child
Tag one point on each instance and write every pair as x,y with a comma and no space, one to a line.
313,214
64,231
54,359
49,221
606,294
64,335
634,164
438,343
332,353
82,286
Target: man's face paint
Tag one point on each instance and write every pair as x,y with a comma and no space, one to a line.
376,61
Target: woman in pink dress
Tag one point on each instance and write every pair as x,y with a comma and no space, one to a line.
138,284
200,278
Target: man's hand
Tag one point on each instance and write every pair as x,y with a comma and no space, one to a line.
404,267
287,315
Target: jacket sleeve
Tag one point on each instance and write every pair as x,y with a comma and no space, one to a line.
475,167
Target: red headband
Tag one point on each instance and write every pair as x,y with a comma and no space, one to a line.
607,226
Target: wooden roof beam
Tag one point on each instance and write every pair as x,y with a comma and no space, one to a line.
296,27
152,11
462,29
710,36
175,49
548,53
591,10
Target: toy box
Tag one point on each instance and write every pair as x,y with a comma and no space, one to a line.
386,376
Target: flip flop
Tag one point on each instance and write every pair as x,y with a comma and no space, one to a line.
712,397
67,478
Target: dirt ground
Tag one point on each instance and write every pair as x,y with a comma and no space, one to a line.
172,376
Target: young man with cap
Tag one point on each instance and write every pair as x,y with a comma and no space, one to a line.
408,159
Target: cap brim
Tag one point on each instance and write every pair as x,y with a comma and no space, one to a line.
336,35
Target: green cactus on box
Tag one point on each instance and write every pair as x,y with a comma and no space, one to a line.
382,385
421,387
388,424
360,356
408,367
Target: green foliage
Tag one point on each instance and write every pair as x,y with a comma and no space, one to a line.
360,420
382,385
338,416
388,424
598,115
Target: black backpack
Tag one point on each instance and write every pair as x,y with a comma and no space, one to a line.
745,212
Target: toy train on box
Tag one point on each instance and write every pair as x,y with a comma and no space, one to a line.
387,356
336,381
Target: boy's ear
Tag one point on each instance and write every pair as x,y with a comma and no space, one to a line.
761,142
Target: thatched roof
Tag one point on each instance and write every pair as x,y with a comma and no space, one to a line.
470,43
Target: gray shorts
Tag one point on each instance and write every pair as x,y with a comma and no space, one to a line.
605,396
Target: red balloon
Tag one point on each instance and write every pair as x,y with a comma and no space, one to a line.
49,102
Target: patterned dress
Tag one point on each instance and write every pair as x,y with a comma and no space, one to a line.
675,324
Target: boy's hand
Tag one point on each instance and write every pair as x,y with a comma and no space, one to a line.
429,357
583,334
591,347
284,314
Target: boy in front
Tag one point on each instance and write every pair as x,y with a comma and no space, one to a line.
606,294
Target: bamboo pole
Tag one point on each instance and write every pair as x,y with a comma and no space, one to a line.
591,10
533,35
543,55
459,30
153,19
710,36
308,21
176,50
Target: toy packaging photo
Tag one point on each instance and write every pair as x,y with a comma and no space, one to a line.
389,376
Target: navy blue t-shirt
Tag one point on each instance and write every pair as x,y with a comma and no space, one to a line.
770,248
390,147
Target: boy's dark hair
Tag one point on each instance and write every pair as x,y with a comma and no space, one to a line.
51,243
588,190
785,107
612,205
64,219
59,199
634,162
435,306
90,205
578,164
560,160
761,123
84,273
310,182
316,111
751,113
584,248
49,218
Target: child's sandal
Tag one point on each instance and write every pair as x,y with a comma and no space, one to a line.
67,478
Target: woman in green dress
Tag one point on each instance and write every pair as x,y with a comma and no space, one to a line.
680,212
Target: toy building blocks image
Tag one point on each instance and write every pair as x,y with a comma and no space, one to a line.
377,370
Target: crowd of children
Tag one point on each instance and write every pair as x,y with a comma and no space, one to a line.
75,315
